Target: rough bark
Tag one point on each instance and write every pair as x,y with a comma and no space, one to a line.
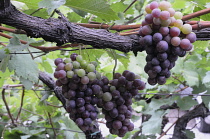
199,111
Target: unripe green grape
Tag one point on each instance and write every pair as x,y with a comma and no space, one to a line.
186,29
70,74
76,64
107,96
67,60
68,66
80,72
147,9
79,58
98,75
90,68
112,88
83,64
164,5
178,15
165,23
91,76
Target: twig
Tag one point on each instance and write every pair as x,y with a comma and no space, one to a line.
35,11
51,123
21,102
164,133
8,110
129,6
31,112
115,61
196,14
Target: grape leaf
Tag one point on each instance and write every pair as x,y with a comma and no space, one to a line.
206,79
51,4
30,3
27,84
96,7
190,74
24,66
186,103
156,123
15,45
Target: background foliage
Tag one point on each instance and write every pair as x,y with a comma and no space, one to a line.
42,115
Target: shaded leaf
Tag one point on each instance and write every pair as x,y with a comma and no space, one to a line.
96,7
51,4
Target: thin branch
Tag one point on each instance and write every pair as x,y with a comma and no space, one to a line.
164,133
129,6
21,102
31,112
196,14
51,123
7,107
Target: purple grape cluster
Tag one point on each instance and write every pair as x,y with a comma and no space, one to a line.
165,38
79,86
86,90
117,102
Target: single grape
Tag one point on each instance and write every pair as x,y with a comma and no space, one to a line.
122,109
165,23
178,15
120,101
67,60
162,46
154,5
178,23
155,61
79,58
73,86
90,68
164,15
151,74
147,40
87,121
165,64
130,127
149,18
60,66
172,58
123,130
96,89
84,80
61,74
156,13
162,56
172,21
68,66
143,23
146,30
79,121
108,105
107,96
115,94
161,80
58,61
167,39
156,69
156,21
185,44
113,113
175,41
80,102
152,81
81,72
174,31
171,11
186,29
164,5
73,56
130,76
128,114
164,31
191,37
71,94
121,117
85,114
157,37
147,9
80,110
126,122
56,74
117,124
117,75
76,64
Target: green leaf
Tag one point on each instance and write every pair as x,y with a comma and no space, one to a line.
25,136
206,79
27,83
96,7
190,134
24,66
30,3
15,45
185,103
153,125
51,5
190,74
4,63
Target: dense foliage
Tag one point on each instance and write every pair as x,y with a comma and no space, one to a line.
30,109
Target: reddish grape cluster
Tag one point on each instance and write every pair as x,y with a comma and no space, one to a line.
164,37
79,81
117,102
85,90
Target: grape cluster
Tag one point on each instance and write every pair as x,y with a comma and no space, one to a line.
86,90
79,86
117,102
165,38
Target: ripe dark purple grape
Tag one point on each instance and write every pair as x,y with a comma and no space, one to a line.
162,46
73,56
108,106
79,121
122,109
87,121
117,124
113,113
80,102
157,37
